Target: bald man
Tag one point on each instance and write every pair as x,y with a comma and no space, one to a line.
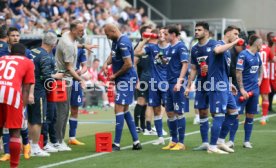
125,77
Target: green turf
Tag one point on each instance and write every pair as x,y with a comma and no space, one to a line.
263,153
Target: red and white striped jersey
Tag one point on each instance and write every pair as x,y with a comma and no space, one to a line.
266,57
14,71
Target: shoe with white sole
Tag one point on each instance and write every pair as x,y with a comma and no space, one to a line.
159,141
39,152
247,145
216,151
203,146
49,148
62,147
230,144
151,132
225,148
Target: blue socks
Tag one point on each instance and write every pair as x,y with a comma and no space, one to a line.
119,127
158,125
6,140
181,122
73,124
226,126
204,128
131,126
248,126
173,129
233,130
215,129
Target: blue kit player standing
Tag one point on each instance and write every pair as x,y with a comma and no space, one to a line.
76,98
158,82
175,106
222,102
125,77
199,60
249,73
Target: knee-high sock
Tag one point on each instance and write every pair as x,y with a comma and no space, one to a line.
181,124
265,105
248,126
158,125
204,128
15,147
173,129
131,126
137,113
73,124
24,134
215,129
119,127
233,130
227,124
143,117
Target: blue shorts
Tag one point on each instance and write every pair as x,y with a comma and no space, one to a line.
124,92
201,100
76,94
157,97
175,100
221,101
37,111
251,105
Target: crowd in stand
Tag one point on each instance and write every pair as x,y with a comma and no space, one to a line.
36,17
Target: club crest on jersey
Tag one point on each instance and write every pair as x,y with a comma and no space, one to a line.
254,69
173,51
240,62
208,49
201,59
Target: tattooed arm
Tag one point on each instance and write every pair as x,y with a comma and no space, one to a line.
240,83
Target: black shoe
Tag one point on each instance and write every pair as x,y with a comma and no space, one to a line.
115,147
137,147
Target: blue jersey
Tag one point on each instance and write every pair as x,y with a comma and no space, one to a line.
219,69
249,64
43,62
121,49
162,68
81,57
4,48
178,54
201,53
152,50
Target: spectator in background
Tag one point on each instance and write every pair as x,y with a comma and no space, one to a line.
90,28
4,47
116,9
139,15
95,83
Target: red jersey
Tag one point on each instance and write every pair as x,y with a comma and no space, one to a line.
266,57
14,71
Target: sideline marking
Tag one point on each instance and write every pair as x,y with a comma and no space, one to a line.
123,148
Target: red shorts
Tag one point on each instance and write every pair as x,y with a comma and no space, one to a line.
265,87
11,117
273,84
